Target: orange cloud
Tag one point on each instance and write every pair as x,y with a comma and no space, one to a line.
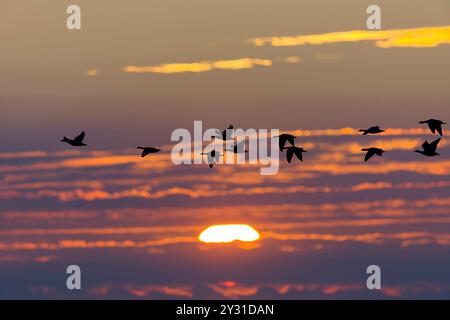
202,66
426,37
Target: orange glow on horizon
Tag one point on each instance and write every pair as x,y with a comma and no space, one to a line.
228,233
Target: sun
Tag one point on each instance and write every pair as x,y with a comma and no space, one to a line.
227,233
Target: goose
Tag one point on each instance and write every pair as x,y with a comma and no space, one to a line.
434,125
238,147
429,149
283,138
294,150
213,156
148,150
226,134
77,141
371,130
372,151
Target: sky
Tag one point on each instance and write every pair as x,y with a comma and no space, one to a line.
138,70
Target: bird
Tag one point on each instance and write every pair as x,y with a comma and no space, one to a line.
434,125
429,149
294,150
213,156
371,130
226,134
238,147
372,151
77,141
148,150
285,137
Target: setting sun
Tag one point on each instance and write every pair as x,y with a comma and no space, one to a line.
228,233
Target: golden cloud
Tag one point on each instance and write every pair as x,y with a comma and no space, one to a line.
427,37
201,66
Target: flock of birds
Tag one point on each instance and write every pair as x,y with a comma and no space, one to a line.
428,148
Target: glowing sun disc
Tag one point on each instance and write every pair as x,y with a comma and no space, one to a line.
228,233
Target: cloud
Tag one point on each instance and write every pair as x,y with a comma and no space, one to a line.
426,37
201,66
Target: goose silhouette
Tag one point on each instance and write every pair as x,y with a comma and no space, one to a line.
294,150
148,150
434,125
77,141
238,147
213,156
226,134
371,130
429,149
372,151
283,138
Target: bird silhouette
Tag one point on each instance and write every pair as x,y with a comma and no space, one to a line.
77,141
294,150
429,149
371,130
434,125
282,138
148,150
226,134
372,151
238,147
213,156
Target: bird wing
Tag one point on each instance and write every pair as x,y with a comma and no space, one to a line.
281,142
240,147
291,140
299,154
432,127
369,155
439,129
434,144
211,165
80,137
145,152
289,154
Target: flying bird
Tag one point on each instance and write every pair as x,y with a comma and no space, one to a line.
148,150
372,151
226,134
213,156
371,130
238,147
429,149
77,141
283,138
434,125
294,150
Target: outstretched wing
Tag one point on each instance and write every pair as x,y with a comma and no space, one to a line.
80,137
289,154
369,155
432,127
145,152
281,142
240,147
439,129
291,140
299,153
434,144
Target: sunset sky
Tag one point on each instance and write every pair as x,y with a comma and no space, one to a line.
137,70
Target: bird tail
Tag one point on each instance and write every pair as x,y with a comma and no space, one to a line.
423,121
362,130
142,148
364,149
64,139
